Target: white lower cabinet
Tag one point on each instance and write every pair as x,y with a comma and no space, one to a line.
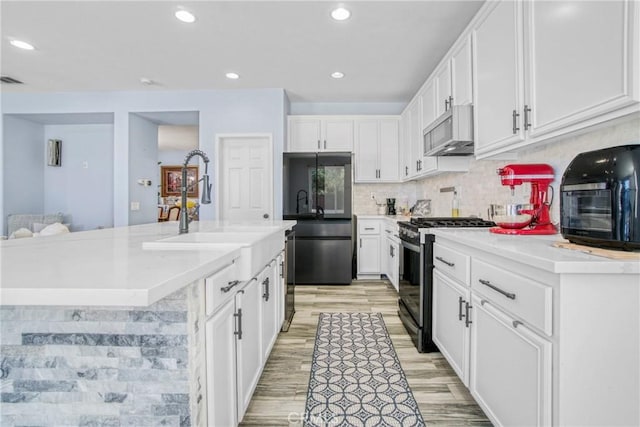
248,345
390,252
221,366
510,371
500,357
368,248
269,297
450,326
240,334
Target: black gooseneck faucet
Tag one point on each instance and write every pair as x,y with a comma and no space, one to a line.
206,188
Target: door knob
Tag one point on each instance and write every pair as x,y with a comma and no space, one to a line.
265,216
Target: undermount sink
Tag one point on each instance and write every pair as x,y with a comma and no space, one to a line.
257,246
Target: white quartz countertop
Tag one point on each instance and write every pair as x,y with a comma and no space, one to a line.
536,251
387,217
110,267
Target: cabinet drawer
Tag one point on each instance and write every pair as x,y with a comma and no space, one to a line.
391,228
525,298
219,287
452,263
369,226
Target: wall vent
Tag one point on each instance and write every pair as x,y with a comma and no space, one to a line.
10,80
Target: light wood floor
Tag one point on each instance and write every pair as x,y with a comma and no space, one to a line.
280,396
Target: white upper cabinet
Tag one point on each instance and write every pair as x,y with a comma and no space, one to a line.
377,149
498,77
406,170
461,72
578,62
543,69
428,100
314,133
389,142
443,89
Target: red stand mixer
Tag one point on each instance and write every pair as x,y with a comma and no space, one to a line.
540,176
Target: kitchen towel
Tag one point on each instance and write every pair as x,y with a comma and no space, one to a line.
356,378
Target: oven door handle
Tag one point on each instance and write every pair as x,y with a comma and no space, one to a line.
410,246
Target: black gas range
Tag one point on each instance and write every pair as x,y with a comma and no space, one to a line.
415,304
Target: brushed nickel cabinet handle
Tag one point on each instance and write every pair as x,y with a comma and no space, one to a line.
450,264
527,123
229,286
467,320
238,317
460,302
497,289
514,117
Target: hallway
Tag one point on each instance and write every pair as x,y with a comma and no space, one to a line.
280,396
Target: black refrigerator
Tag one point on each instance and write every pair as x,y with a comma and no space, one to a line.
317,193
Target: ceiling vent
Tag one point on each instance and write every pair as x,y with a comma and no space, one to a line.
10,80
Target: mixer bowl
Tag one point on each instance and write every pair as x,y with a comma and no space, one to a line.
512,221
511,209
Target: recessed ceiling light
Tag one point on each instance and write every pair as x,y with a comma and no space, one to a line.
22,45
233,76
185,16
337,75
340,14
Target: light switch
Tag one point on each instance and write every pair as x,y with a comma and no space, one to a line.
135,206
85,165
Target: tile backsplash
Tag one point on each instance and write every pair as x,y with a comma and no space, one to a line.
480,186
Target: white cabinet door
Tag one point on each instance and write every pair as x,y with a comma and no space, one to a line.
366,157
390,251
280,290
499,79
416,137
578,63
369,254
450,329
407,170
221,367
249,307
510,369
443,88
428,97
337,135
461,73
268,283
304,134
388,150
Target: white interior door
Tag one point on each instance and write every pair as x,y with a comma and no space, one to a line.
246,177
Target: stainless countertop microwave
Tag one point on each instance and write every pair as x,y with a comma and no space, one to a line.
451,134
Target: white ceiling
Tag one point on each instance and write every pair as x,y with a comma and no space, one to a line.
386,50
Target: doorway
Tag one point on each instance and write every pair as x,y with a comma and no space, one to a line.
245,177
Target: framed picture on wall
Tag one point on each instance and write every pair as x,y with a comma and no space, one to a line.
172,180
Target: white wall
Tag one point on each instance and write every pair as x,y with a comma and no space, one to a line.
143,164
22,168
83,194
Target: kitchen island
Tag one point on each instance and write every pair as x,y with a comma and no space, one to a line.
540,335
97,330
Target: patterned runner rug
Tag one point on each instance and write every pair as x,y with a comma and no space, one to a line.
356,378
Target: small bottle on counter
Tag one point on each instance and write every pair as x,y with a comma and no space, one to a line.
455,205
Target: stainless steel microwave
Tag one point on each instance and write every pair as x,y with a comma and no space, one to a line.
451,134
